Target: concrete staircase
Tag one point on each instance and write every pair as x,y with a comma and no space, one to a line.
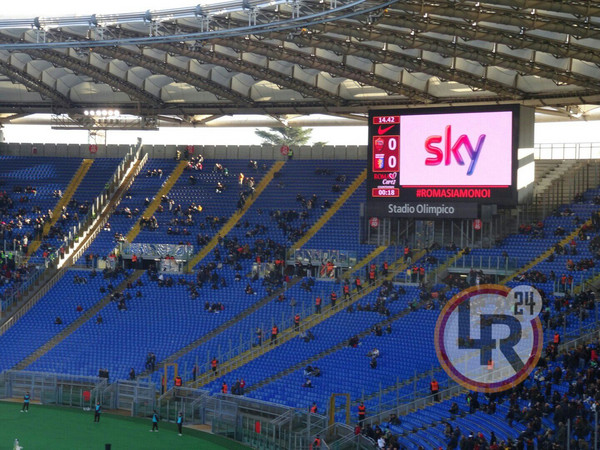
331,211
62,202
308,322
154,204
88,233
564,241
57,339
235,218
553,173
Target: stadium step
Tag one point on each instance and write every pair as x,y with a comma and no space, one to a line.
155,203
53,274
258,305
84,167
361,335
331,350
89,314
208,336
309,322
554,174
457,390
88,234
363,262
547,253
266,179
331,211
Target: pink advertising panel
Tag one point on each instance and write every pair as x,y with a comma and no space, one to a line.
464,149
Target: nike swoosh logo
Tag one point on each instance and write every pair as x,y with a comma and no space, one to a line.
385,130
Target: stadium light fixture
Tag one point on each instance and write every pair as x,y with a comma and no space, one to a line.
102,112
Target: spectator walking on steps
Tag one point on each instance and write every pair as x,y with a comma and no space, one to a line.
316,445
434,387
362,411
357,282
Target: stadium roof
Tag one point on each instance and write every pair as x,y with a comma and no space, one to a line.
281,57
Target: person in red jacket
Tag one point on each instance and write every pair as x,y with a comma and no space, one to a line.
316,445
358,284
362,411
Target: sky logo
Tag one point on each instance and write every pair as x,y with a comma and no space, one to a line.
452,150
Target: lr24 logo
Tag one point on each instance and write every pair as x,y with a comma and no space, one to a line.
488,338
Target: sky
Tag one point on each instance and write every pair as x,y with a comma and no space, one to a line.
555,132
180,136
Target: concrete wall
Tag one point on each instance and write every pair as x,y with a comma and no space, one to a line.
168,151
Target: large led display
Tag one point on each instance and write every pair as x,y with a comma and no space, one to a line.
453,156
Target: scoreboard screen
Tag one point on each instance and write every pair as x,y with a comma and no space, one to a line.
441,162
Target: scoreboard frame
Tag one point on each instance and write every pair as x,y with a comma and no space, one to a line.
389,196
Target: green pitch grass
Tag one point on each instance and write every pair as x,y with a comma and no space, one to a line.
58,428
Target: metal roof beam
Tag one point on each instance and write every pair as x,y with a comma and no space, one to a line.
204,51
576,8
469,13
161,66
254,70
63,60
415,64
315,62
488,34
157,66
482,56
59,101
146,99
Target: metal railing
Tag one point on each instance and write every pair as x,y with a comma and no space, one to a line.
489,262
421,398
102,201
285,323
33,300
71,239
318,257
577,150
